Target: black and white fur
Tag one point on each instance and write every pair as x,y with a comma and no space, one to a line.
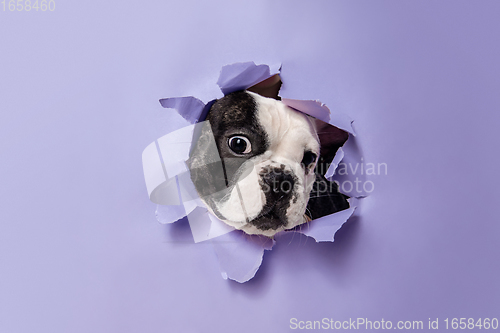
264,185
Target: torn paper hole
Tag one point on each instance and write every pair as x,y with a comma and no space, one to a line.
177,179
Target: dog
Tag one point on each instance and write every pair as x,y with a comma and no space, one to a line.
268,175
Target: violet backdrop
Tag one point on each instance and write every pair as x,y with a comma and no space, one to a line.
80,248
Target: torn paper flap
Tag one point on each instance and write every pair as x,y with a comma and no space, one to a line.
315,109
324,228
351,172
205,226
268,88
169,214
240,255
242,75
320,111
333,166
190,108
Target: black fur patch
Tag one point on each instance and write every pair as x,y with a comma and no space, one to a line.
278,186
234,114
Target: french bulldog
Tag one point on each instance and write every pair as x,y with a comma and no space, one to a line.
268,175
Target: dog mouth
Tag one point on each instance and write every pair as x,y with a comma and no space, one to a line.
268,212
271,217
277,183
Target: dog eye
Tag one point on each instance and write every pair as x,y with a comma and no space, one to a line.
239,144
308,158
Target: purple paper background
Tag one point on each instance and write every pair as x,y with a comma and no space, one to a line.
80,248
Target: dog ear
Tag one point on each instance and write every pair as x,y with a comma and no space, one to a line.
268,88
331,139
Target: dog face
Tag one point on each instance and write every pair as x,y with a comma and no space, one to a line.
268,152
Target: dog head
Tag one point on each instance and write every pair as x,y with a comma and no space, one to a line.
261,180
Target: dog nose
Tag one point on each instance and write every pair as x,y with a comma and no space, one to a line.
278,183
